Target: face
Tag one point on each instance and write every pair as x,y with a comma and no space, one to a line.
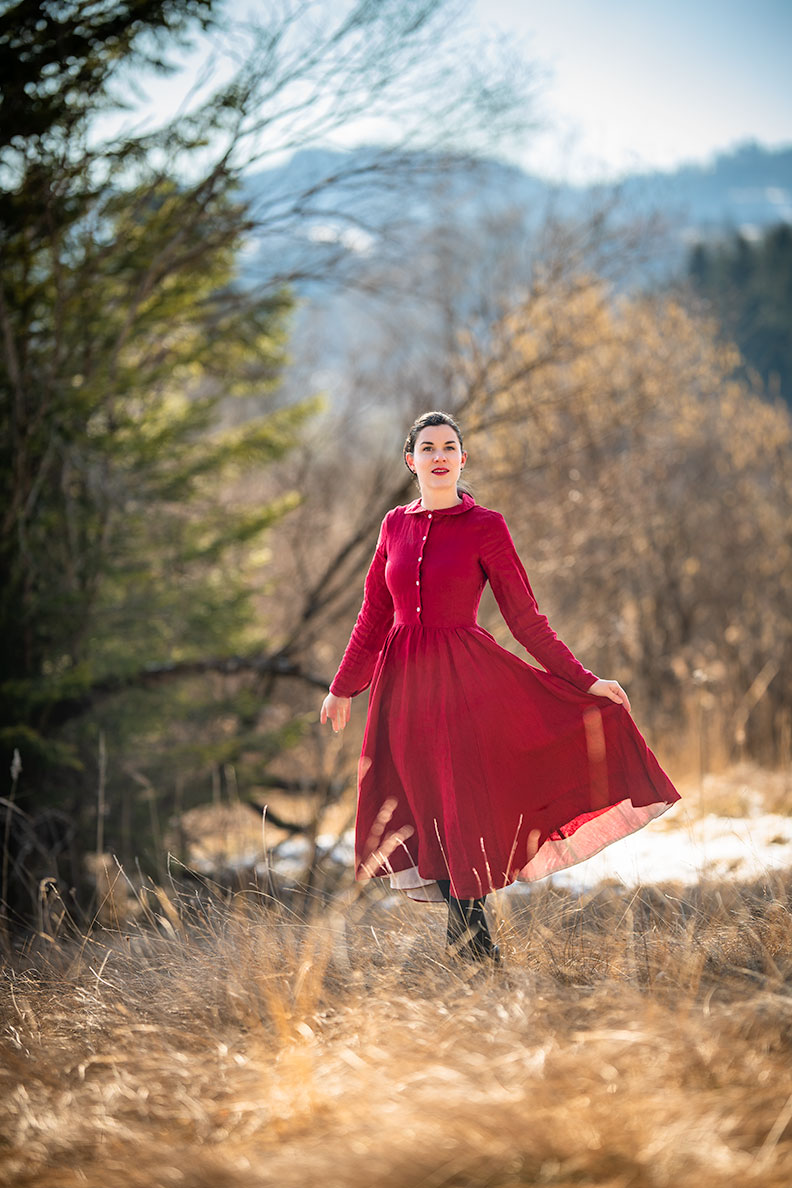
437,458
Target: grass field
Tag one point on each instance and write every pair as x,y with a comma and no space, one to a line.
631,1038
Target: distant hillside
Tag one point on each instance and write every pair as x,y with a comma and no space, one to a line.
386,261
749,188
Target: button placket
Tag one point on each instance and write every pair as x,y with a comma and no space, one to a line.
420,559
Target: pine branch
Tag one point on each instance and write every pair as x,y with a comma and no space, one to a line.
276,665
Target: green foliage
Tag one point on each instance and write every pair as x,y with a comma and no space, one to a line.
132,502
749,284
57,56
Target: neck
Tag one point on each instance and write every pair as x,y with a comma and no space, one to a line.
437,500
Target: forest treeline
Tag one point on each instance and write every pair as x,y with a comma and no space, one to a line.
184,541
747,283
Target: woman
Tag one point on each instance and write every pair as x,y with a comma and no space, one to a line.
477,767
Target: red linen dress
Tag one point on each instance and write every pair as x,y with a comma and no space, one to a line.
476,765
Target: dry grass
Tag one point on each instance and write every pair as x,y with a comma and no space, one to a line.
743,790
630,1039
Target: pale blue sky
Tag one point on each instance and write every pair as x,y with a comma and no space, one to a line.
652,83
627,86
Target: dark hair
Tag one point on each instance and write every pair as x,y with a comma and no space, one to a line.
426,421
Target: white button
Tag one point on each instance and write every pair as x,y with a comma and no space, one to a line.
430,515
421,557
418,609
417,582
424,538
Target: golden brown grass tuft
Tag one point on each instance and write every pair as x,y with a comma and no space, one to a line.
743,790
631,1039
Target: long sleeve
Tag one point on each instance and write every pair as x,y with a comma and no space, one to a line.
518,606
371,627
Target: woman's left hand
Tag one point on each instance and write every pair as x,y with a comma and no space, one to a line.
610,689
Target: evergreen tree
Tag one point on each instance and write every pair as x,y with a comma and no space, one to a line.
749,286
128,538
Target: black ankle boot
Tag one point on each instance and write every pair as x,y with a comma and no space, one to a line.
468,934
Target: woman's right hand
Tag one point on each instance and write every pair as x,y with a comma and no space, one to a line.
337,709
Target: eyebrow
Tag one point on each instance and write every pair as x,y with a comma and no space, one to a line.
451,441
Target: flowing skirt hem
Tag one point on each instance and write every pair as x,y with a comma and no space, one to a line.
554,854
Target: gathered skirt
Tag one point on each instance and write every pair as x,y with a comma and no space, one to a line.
481,768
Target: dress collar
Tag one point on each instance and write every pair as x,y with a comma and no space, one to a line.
467,502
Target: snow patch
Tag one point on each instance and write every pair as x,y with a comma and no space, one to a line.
687,849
